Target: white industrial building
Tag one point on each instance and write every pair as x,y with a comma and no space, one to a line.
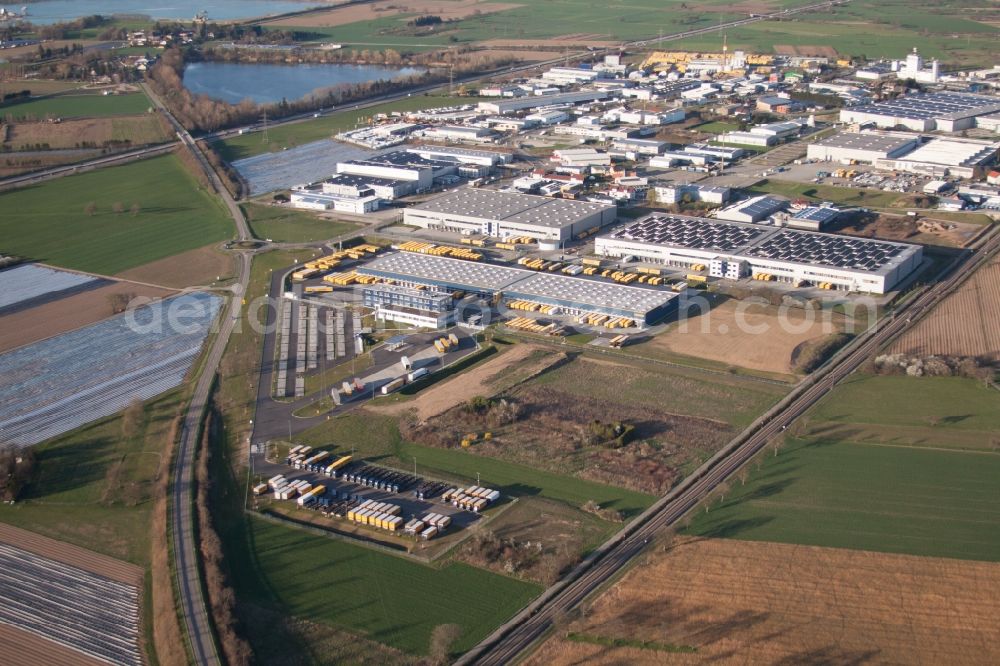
867,147
581,157
753,210
510,214
958,158
924,112
734,250
748,139
505,106
672,193
462,155
400,165
460,133
313,198
548,117
570,75
913,68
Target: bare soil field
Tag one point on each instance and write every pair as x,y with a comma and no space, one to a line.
744,334
927,229
739,602
22,648
967,323
446,9
82,558
138,130
550,428
477,381
562,40
806,50
187,269
23,327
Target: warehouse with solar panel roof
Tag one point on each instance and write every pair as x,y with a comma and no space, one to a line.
736,250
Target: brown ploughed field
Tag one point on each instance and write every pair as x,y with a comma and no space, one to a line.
725,601
187,269
75,556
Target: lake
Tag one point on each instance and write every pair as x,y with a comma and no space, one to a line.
266,83
54,11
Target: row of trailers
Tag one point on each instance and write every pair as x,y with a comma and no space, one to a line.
325,264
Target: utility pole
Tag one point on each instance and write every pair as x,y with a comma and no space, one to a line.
264,138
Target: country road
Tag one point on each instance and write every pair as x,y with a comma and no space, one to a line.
198,623
508,642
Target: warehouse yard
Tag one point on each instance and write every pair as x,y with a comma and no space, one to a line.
739,602
977,305
744,334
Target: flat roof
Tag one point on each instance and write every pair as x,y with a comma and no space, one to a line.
456,151
925,106
765,242
518,282
821,214
886,143
511,207
439,270
952,152
592,293
690,232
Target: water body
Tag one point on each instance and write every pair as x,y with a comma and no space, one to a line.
55,11
266,83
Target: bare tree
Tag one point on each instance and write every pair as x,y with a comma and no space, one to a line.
442,638
743,475
134,210
90,209
118,207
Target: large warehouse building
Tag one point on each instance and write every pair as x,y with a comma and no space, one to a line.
572,295
958,158
735,250
861,147
944,111
535,101
510,214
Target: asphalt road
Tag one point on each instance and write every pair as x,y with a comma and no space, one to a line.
80,167
509,641
197,620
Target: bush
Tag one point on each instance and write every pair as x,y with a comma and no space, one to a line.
613,435
815,354
16,469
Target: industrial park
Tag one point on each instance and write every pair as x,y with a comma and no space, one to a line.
479,333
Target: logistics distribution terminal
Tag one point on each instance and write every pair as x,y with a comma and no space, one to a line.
571,295
735,250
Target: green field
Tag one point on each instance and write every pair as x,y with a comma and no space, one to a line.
847,196
615,21
93,485
870,29
77,106
287,225
295,134
377,439
894,464
48,222
717,127
386,598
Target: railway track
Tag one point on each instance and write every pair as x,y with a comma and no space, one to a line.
506,644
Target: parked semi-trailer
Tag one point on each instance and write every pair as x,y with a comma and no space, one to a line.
393,385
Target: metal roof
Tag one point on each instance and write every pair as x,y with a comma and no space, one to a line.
925,106
885,143
511,207
588,293
445,270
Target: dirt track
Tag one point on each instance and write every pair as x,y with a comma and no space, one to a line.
82,558
739,602
442,397
65,314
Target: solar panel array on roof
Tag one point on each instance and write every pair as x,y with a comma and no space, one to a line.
827,250
690,232
933,105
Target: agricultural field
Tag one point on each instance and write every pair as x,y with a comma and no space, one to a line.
888,464
73,134
383,597
870,29
56,385
737,602
76,106
526,25
54,316
287,225
192,268
94,484
976,305
291,135
743,334
51,222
